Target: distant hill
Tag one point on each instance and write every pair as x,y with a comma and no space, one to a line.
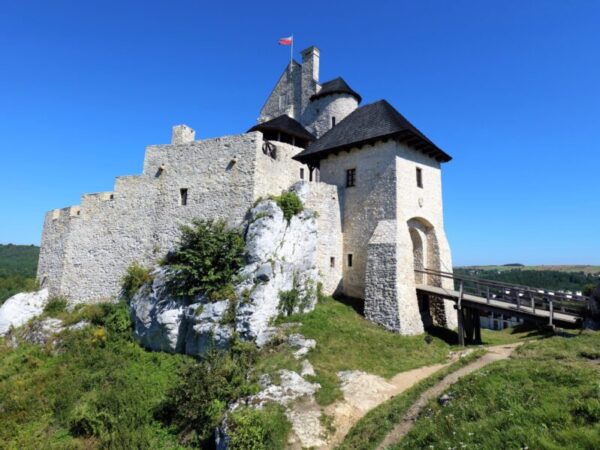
558,268
571,278
18,265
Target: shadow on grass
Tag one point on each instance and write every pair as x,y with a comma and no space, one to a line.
450,337
356,304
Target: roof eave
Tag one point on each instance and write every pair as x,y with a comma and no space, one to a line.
434,152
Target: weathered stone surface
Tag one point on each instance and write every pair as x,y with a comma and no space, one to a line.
42,331
302,345
307,369
206,328
281,257
292,387
20,308
158,317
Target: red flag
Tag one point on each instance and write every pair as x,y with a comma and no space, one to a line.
286,41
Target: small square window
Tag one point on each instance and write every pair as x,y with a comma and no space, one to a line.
332,262
350,177
183,196
349,259
302,174
419,177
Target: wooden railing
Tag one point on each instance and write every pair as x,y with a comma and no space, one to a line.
513,294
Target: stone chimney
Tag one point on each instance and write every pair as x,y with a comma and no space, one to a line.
310,74
182,134
310,63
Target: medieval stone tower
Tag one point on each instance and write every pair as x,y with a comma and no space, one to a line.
375,181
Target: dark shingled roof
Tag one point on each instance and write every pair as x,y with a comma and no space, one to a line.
336,86
285,124
366,125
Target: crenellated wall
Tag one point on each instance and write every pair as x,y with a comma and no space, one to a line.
86,249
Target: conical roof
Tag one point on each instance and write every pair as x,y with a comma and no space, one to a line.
336,86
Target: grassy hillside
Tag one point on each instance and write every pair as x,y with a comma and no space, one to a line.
535,277
18,260
546,397
18,265
558,268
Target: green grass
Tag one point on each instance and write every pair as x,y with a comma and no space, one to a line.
546,397
97,389
370,431
347,341
520,333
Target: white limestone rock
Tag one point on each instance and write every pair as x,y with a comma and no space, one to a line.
280,255
158,317
42,331
292,387
206,328
307,369
302,345
21,308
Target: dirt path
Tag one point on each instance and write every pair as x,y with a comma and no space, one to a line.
493,354
364,391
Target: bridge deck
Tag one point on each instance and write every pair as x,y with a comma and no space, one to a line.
498,305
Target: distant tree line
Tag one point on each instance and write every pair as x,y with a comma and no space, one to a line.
18,266
544,279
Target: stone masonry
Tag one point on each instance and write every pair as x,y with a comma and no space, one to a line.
371,235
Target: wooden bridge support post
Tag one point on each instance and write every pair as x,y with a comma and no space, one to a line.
461,327
461,318
477,325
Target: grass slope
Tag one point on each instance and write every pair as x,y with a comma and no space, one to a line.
370,431
546,397
96,389
347,341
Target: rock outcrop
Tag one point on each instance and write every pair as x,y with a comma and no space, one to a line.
280,258
21,308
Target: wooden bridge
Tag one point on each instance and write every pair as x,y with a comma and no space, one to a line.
473,296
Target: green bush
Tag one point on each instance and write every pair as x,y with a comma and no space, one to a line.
258,429
291,301
134,279
55,306
208,257
197,405
86,393
290,204
288,301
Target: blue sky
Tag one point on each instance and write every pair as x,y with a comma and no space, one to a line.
511,89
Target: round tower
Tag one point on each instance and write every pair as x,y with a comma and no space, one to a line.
330,105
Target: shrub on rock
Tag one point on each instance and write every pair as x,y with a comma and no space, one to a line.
290,204
208,257
134,279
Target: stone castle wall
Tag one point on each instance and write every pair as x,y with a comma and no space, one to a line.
325,199
86,249
372,199
378,214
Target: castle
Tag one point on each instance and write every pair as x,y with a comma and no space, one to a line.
375,181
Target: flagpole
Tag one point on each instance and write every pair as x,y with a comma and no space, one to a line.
292,52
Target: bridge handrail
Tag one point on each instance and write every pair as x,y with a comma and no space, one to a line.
556,296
